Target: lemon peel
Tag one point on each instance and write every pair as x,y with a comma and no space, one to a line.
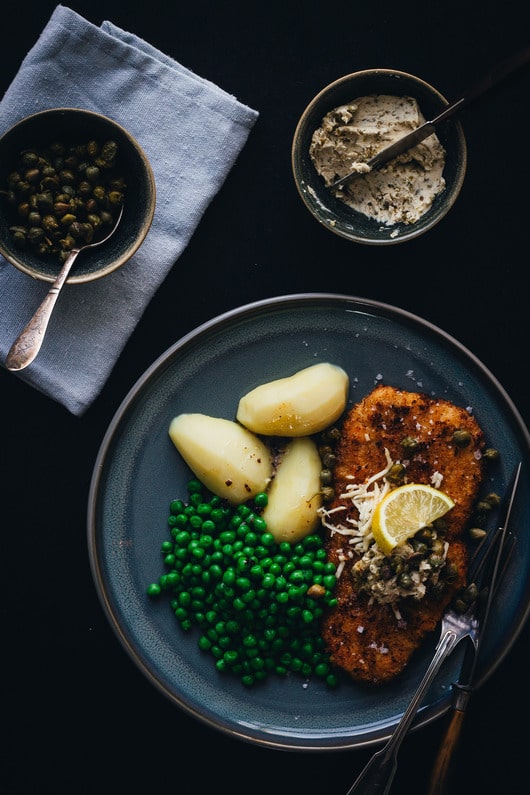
404,511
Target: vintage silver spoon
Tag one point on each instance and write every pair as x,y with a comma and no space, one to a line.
28,343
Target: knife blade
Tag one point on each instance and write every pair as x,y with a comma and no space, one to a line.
491,79
462,690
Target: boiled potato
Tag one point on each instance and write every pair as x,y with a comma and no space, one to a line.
294,498
227,458
299,405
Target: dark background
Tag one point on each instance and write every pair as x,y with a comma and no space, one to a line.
77,715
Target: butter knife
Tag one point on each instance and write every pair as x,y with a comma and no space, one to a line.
491,79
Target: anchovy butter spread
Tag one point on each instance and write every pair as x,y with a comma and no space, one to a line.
403,189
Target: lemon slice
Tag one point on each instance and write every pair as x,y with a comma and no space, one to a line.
404,511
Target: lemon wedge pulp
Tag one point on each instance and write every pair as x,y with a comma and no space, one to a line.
404,511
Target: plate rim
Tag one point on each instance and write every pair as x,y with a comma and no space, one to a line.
127,404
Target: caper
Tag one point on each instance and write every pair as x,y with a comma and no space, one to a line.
92,148
440,525
410,444
67,220
460,606
67,176
61,208
82,232
405,580
92,173
35,234
450,572
397,564
483,506
328,459
326,477
19,236
333,434
30,158
84,188
470,594
67,242
436,561
316,591
44,202
32,175
327,493
50,183
396,473
490,454
23,188
99,193
419,546
50,223
437,546
13,178
493,499
109,151
461,437
425,534
94,220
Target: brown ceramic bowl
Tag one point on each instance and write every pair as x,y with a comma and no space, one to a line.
74,125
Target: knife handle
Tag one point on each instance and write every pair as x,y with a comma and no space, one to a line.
441,774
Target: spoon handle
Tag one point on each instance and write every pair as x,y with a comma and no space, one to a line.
28,343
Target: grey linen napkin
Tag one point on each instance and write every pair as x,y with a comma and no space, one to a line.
192,132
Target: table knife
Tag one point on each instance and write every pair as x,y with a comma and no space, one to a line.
491,79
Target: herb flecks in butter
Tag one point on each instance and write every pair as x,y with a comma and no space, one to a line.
403,189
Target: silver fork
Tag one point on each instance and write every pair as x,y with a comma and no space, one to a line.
377,775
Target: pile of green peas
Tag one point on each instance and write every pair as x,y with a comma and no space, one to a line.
257,604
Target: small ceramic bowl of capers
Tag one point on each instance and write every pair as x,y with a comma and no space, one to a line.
65,174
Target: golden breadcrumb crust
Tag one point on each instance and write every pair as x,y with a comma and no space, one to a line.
367,640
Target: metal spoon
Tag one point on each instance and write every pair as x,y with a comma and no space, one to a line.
28,343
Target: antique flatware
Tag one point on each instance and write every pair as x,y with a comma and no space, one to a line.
462,690
29,341
377,775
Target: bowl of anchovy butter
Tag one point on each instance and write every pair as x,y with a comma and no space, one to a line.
350,121
65,174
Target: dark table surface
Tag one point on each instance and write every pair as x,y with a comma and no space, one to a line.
78,716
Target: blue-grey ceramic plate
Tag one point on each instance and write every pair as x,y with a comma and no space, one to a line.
138,472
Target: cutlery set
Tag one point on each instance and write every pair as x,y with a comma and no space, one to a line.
487,567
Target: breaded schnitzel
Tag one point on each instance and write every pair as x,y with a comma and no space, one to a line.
373,639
